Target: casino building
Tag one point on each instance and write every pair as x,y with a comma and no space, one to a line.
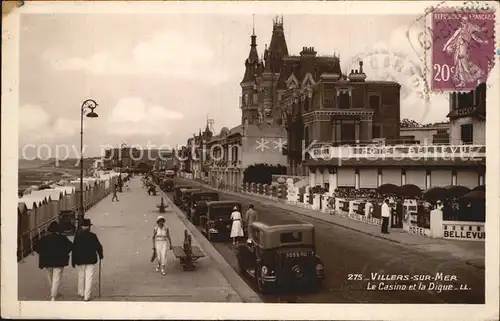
462,162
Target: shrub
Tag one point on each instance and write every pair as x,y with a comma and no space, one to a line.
262,173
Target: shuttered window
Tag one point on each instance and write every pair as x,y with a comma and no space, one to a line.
368,178
467,178
391,176
440,178
345,177
416,177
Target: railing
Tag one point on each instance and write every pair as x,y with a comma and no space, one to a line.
399,151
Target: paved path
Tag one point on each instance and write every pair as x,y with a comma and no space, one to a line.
125,230
352,251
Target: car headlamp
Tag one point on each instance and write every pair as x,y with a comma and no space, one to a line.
264,270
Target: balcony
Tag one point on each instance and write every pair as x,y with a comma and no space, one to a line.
397,152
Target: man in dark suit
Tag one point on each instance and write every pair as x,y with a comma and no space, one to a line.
53,250
86,249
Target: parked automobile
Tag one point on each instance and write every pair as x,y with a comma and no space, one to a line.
178,194
167,184
281,255
216,223
198,206
186,197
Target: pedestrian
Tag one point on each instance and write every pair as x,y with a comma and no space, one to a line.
386,214
250,217
368,209
236,229
53,250
161,244
115,195
86,249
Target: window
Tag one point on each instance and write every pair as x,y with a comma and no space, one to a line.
328,99
344,100
256,234
375,103
466,133
376,131
465,100
291,237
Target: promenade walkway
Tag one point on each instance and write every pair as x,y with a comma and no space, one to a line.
125,229
471,252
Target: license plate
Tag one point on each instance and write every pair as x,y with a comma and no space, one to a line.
297,254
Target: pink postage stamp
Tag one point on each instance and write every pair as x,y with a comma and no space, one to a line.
463,48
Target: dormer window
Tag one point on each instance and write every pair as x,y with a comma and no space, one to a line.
344,99
292,82
308,81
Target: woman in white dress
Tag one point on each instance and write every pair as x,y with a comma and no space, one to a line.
161,243
236,228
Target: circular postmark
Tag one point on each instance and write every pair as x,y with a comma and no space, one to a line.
385,65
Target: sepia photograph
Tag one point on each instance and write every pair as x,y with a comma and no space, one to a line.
250,160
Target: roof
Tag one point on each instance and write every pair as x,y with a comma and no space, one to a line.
273,221
54,194
301,67
31,201
66,189
205,192
223,202
395,162
190,189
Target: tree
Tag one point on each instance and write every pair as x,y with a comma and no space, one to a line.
262,173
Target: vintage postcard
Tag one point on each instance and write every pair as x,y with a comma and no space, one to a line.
250,160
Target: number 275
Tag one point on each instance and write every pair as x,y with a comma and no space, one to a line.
443,72
354,277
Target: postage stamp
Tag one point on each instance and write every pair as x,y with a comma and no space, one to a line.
463,48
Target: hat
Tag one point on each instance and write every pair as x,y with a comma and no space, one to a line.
159,218
53,227
86,222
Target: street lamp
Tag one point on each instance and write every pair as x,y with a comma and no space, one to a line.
122,147
87,109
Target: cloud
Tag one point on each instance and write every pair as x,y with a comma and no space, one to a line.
132,117
66,127
35,123
402,59
32,117
166,53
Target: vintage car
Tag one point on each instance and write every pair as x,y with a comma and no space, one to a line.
281,255
198,206
186,197
167,184
178,194
216,223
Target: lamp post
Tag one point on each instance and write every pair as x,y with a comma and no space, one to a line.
122,147
87,109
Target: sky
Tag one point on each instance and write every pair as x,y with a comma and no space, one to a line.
157,77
